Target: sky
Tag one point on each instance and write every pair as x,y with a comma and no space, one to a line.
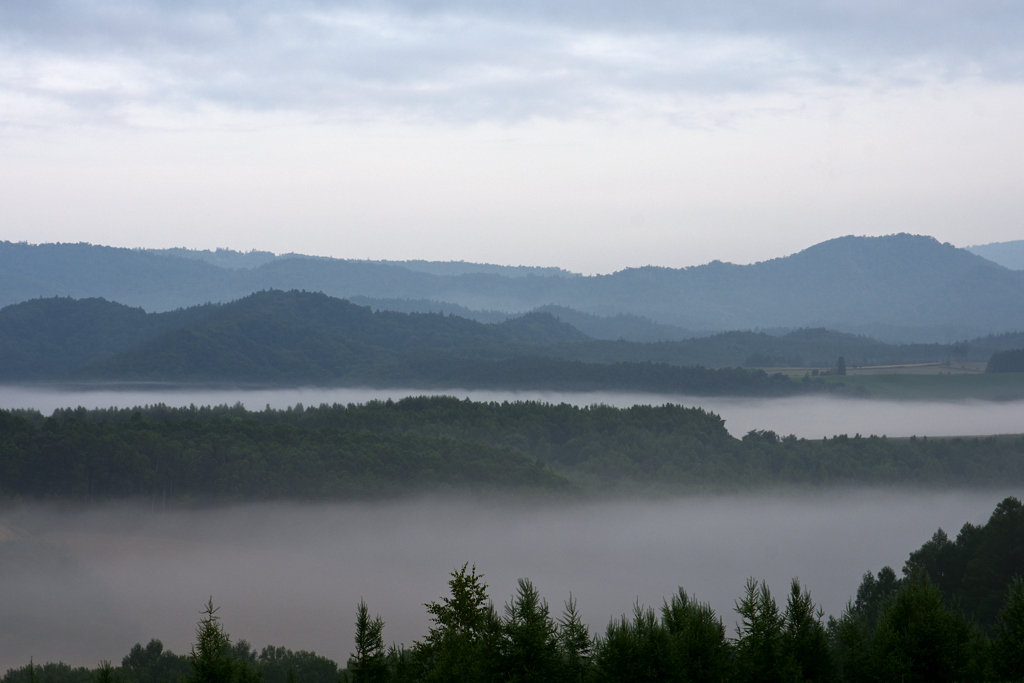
589,135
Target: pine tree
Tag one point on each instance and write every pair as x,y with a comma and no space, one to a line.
530,649
1008,648
211,655
698,636
577,646
758,646
367,663
804,641
105,672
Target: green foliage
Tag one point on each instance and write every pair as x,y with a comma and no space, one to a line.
530,649
702,653
759,655
1008,647
577,645
368,663
975,569
211,658
281,665
463,641
638,649
919,640
384,448
153,664
805,642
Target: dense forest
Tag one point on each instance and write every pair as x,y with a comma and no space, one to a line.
1011,360
956,614
440,443
301,338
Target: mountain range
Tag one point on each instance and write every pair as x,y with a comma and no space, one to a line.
302,338
898,288
292,338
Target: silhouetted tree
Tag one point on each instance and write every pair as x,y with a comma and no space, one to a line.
530,649
367,663
577,646
698,635
211,656
759,635
1008,648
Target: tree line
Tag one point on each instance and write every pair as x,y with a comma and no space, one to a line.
935,624
423,444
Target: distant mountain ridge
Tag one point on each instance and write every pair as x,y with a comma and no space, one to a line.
275,338
292,338
1007,254
896,288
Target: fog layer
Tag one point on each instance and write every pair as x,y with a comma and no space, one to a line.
81,585
811,417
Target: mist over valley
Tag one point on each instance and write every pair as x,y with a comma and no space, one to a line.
84,584
388,330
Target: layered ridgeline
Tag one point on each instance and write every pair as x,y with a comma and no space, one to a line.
900,287
957,614
427,444
300,338
293,338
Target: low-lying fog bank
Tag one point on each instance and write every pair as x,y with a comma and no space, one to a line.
811,417
81,585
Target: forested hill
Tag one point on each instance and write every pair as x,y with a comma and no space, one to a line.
289,338
900,287
50,338
301,338
389,448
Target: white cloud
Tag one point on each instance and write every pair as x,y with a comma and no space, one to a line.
593,135
466,62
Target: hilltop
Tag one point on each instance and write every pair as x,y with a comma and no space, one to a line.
895,288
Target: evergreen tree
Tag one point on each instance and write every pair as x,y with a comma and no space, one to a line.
105,672
367,663
636,650
701,648
211,654
461,644
804,641
759,635
577,646
530,650
919,640
1008,648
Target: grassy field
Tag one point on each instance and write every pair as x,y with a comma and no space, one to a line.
935,387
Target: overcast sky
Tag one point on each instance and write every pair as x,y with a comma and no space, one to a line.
591,135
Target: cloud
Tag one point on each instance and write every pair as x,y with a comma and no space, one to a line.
454,61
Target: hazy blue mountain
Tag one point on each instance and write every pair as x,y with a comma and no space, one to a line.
229,258
1007,254
225,258
295,338
807,347
624,326
896,288
47,338
464,267
430,306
